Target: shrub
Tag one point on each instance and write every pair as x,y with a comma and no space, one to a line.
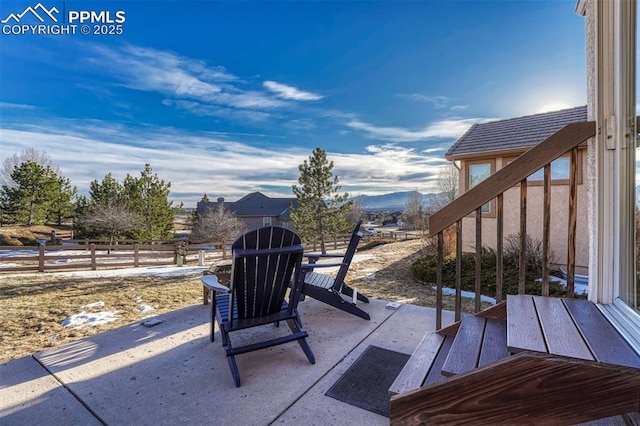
425,269
27,241
6,240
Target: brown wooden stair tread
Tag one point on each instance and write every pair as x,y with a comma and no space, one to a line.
479,341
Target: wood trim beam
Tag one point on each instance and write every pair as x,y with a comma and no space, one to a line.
569,390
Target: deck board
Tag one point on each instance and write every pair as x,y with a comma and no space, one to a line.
560,332
318,280
465,350
418,366
494,344
435,373
605,342
523,327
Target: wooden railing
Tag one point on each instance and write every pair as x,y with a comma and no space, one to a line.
566,140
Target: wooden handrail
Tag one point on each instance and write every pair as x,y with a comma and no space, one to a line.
570,136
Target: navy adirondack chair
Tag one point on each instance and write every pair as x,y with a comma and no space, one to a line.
266,262
332,290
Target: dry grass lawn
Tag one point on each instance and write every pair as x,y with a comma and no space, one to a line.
33,306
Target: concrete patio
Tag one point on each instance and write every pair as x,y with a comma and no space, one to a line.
172,374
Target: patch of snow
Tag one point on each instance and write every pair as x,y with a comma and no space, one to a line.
145,308
579,287
84,319
370,276
93,305
466,294
158,271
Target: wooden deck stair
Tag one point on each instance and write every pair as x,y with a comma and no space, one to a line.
548,361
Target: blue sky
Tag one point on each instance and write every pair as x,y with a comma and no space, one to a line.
230,97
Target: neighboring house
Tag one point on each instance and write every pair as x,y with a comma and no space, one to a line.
486,148
256,210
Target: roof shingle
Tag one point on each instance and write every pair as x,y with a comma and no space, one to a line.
254,204
514,133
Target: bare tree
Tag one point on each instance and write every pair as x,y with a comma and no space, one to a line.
447,190
111,219
217,225
15,161
414,211
357,211
446,186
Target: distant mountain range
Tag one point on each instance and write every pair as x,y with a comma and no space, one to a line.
393,201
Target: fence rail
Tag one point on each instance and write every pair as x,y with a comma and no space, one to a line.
93,255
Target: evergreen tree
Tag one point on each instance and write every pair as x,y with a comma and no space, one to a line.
148,196
62,207
194,214
321,211
28,200
107,191
28,155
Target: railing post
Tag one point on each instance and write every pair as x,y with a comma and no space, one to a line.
546,231
458,301
499,241
92,247
41,249
522,265
136,255
439,280
571,231
478,277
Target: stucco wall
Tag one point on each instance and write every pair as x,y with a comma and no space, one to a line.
559,219
592,193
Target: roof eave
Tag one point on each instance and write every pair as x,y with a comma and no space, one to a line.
492,154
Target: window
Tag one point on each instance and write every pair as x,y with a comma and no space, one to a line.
266,221
559,171
477,171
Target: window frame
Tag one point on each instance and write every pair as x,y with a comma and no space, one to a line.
491,161
540,182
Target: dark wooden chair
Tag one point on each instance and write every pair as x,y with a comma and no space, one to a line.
266,262
332,290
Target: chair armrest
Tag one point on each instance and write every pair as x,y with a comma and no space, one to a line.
211,282
314,257
311,266
319,255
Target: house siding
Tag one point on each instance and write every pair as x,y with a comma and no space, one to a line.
535,195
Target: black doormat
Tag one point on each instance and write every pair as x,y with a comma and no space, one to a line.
366,384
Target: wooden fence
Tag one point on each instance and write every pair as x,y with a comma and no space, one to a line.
93,255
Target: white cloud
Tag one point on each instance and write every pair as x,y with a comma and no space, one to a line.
290,92
451,128
15,106
177,77
216,163
437,101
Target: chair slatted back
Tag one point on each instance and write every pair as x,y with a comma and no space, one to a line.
348,255
265,261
